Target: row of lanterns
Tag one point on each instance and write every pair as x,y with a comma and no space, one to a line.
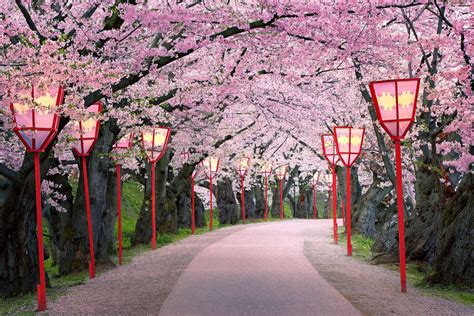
395,106
36,124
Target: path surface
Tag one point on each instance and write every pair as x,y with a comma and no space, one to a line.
277,268
261,270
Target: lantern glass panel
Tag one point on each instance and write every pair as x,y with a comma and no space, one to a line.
125,142
211,166
36,121
86,131
349,143
155,142
395,102
281,172
243,166
329,148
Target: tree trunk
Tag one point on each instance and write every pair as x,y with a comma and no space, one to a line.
18,242
259,201
74,240
287,184
327,210
228,210
356,189
249,203
424,224
364,212
142,234
454,256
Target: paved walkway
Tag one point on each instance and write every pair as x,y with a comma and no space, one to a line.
274,268
261,270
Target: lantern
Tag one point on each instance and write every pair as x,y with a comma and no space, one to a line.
243,168
266,171
349,146
36,124
395,105
330,153
86,133
123,144
210,166
281,173
314,183
155,141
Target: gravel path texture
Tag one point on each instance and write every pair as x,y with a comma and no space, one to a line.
289,267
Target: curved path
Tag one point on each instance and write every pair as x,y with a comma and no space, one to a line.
275,268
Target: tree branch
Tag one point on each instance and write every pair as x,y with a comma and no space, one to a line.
29,20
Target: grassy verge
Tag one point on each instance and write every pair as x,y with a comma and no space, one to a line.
416,272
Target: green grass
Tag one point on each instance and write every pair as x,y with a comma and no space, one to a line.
416,272
361,245
132,197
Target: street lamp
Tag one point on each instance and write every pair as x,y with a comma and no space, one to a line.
314,182
122,145
349,145
281,173
266,171
329,152
36,124
155,141
210,168
242,168
395,104
86,133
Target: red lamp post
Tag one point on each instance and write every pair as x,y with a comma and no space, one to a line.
349,145
314,183
281,173
395,104
36,127
86,134
266,171
329,152
123,144
155,141
210,167
243,168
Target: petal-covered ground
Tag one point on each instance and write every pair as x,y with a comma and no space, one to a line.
277,268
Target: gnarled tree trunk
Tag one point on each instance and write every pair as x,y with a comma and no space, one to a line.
249,203
454,256
18,242
142,234
228,209
74,240
259,201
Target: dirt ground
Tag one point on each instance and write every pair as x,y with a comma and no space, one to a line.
372,289
151,277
